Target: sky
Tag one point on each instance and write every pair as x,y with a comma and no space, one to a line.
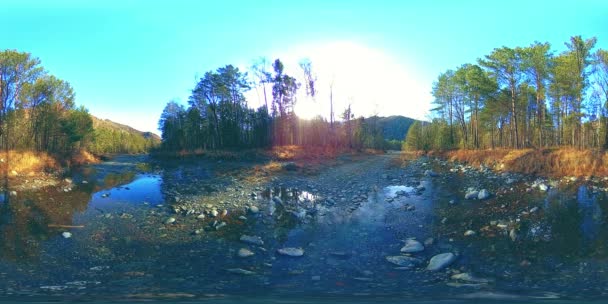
127,59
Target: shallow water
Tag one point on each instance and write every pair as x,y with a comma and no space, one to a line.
120,247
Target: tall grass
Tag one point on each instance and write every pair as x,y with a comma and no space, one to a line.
554,162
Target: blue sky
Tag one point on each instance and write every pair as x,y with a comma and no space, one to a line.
126,59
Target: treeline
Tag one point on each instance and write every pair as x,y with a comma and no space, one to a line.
113,138
38,113
37,110
219,117
523,97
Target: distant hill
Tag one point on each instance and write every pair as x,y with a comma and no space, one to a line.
108,124
394,127
112,137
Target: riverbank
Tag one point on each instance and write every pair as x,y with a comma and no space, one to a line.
555,162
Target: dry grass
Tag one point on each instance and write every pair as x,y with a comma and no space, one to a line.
83,157
25,162
546,162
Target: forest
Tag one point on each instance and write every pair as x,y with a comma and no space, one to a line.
218,116
522,97
38,113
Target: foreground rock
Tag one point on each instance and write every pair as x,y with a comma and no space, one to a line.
403,261
412,246
467,277
441,261
291,251
471,194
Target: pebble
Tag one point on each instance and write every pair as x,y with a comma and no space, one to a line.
441,261
513,235
254,240
201,216
533,209
469,233
170,220
412,246
403,261
291,251
214,213
467,277
244,253
254,209
66,235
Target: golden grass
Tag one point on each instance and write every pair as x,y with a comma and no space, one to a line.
555,162
24,162
83,157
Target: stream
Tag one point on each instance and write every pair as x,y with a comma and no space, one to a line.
114,235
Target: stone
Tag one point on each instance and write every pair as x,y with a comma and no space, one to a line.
170,220
483,194
66,235
543,187
429,241
469,233
472,194
441,261
403,261
214,213
534,209
251,239
245,253
412,246
513,235
254,210
12,193
291,251
201,216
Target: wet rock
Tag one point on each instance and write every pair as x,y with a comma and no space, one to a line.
244,253
170,220
201,216
291,251
224,213
534,209
483,194
250,239
198,231
543,187
513,235
404,261
467,277
220,225
471,194
240,271
66,235
254,210
429,241
412,246
214,213
469,233
441,261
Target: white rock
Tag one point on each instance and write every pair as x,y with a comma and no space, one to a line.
412,246
66,235
472,194
254,209
170,220
244,253
469,233
441,261
483,194
543,187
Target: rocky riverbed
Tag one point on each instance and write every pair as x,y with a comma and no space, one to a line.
359,226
